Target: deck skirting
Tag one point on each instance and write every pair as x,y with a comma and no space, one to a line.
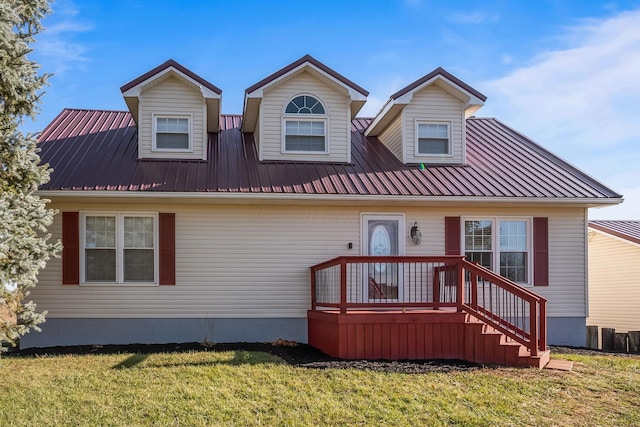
414,335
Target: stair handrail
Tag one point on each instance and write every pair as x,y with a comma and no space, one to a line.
537,308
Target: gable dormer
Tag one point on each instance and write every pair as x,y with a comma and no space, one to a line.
174,109
303,112
425,122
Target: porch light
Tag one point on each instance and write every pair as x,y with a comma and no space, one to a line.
416,235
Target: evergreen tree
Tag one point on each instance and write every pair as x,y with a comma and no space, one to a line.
24,217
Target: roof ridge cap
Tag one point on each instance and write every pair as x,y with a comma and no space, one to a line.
95,109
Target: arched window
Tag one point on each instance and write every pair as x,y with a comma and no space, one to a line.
304,104
308,135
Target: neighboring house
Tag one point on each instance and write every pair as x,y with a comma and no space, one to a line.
614,275
181,224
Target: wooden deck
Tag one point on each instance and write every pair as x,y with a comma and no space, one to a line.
415,335
402,307
408,307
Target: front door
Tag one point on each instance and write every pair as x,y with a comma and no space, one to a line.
383,235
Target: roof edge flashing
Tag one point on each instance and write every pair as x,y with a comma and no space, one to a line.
381,120
258,92
579,201
136,90
181,70
453,88
307,61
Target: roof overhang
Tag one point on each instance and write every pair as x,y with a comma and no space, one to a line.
283,198
472,99
616,234
254,94
211,94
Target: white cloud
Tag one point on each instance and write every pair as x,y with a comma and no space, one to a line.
373,105
477,17
380,94
584,94
57,45
580,102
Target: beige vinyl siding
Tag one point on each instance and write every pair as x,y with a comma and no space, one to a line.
171,96
338,126
251,261
256,133
567,265
231,261
392,137
434,104
614,287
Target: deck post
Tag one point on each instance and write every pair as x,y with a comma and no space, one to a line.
313,289
460,285
343,286
533,325
436,288
543,324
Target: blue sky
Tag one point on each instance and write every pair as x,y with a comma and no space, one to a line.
564,73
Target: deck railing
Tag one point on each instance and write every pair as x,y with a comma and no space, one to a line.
407,282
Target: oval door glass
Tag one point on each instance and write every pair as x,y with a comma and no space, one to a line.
380,245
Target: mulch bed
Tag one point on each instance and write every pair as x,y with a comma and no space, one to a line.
294,354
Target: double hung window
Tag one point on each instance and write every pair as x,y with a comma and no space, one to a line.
501,245
119,248
305,125
432,139
172,133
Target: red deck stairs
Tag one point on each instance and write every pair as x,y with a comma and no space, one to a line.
488,346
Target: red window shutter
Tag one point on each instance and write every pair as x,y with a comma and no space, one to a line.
70,248
540,251
452,235
167,244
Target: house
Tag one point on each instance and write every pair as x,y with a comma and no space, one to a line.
614,268
182,224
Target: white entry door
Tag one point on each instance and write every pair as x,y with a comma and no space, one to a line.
382,235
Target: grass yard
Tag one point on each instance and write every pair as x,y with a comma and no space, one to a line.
257,389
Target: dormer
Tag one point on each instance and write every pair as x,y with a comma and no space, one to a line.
425,122
303,112
174,109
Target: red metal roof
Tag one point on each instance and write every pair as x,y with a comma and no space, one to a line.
97,150
627,230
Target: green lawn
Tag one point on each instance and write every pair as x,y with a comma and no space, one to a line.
246,389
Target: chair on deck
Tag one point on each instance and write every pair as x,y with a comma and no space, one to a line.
375,289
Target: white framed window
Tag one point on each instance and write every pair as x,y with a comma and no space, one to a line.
172,132
503,245
304,126
433,138
119,248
